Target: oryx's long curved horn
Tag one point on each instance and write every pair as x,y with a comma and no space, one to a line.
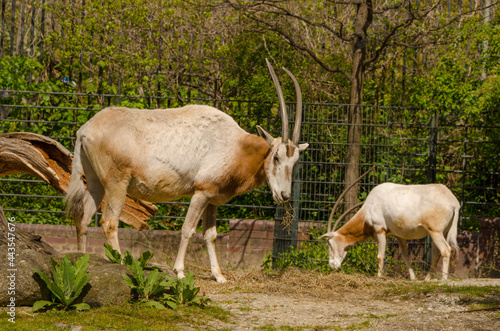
298,109
341,197
281,99
345,213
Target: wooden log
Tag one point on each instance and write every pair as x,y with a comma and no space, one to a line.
48,160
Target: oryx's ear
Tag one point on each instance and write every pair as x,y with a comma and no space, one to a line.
269,139
328,235
302,147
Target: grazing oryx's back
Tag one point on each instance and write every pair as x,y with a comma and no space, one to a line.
164,154
406,212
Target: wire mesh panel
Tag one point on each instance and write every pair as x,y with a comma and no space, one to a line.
408,146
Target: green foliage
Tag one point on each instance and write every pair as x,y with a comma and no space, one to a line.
314,255
183,292
115,257
67,285
157,289
146,289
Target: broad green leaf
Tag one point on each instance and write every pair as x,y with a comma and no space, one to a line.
138,272
79,286
68,272
82,263
145,257
56,272
127,258
171,304
153,303
81,306
40,304
129,281
149,283
58,292
44,278
113,255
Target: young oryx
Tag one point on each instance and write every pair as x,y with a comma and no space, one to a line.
163,154
406,212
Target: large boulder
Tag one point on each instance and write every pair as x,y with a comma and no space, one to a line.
105,287
20,283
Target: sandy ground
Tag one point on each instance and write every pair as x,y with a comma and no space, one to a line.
345,303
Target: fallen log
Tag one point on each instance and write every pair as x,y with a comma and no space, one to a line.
48,160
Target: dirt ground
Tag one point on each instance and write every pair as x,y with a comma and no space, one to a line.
298,300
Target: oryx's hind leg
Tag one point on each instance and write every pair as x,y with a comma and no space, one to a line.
440,247
114,201
199,202
210,236
404,253
382,241
91,201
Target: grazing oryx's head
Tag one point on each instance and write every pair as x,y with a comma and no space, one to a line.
337,249
283,153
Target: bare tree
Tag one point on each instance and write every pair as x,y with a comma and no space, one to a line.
365,34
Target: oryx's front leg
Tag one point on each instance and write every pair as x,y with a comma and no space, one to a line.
199,202
381,238
210,236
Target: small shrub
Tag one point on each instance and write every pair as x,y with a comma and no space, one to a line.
183,292
67,286
115,257
146,289
159,290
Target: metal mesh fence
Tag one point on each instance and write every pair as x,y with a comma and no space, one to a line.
408,146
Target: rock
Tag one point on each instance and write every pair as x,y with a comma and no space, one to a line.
22,279
106,285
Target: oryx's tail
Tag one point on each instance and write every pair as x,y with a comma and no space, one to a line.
76,190
452,233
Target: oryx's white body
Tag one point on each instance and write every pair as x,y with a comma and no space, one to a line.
164,154
406,212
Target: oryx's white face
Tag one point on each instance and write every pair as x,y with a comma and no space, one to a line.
337,249
279,165
284,152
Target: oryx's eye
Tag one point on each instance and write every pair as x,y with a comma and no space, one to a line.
276,159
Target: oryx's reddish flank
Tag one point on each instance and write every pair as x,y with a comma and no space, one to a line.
163,154
406,212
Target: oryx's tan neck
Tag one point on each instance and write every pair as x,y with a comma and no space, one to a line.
356,230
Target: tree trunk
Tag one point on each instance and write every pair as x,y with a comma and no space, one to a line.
362,22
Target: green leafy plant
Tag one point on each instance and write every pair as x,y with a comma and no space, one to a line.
146,289
67,286
159,290
127,259
183,292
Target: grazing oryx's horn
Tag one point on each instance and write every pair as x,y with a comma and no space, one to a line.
340,199
298,109
281,99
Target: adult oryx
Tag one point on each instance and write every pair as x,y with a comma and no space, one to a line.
406,212
163,154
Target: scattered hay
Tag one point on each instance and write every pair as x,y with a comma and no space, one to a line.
298,282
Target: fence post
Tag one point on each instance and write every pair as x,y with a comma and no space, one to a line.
432,151
285,232
431,174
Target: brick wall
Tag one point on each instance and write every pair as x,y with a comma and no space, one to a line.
246,245
489,247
